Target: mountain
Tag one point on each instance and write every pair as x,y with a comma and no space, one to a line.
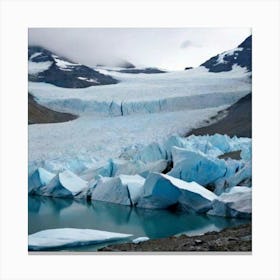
45,66
241,56
236,120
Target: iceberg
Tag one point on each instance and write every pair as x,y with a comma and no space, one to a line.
158,193
237,203
133,167
104,170
111,190
40,178
162,191
152,152
135,186
70,237
140,239
65,184
195,166
239,174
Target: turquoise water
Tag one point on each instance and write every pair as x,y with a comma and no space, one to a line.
47,213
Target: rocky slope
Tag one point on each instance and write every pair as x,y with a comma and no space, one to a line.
41,114
238,120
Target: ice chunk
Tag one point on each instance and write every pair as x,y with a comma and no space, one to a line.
159,193
132,167
193,196
162,191
40,178
157,166
104,170
151,153
140,239
70,237
236,203
135,185
111,190
65,184
196,166
242,175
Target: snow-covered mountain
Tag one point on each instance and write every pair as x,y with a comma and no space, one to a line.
45,66
240,56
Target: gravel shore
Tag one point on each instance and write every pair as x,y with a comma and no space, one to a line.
236,239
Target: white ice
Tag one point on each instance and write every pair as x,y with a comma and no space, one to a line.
140,239
70,237
78,145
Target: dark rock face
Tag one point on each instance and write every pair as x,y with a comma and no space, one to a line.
149,70
40,114
70,75
237,120
188,68
241,56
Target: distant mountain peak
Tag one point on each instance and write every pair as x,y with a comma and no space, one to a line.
240,56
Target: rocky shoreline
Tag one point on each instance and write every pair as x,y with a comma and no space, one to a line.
235,239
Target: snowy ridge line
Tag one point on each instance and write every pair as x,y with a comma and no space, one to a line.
113,108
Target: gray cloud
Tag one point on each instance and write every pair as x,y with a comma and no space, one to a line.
188,43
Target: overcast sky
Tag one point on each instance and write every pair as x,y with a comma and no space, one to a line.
168,48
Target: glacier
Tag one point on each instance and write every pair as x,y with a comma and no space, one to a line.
128,134
169,103
70,237
178,90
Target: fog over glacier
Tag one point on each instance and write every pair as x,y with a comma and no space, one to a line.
168,48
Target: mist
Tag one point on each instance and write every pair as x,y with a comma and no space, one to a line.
166,48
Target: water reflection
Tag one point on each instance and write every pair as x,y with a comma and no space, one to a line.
46,213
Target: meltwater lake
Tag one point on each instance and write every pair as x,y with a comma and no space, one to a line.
50,213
